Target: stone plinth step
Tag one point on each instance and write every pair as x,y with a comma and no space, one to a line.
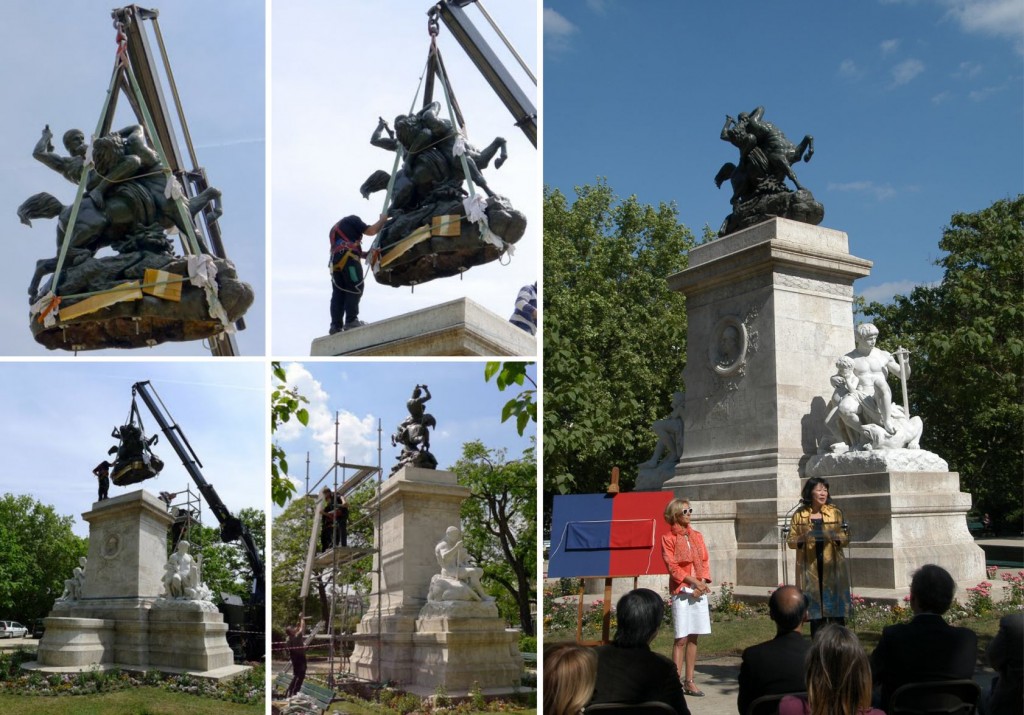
223,673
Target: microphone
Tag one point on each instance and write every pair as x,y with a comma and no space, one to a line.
786,528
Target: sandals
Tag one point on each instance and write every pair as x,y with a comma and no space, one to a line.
690,688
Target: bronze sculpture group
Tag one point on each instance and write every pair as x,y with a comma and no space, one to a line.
758,179
413,433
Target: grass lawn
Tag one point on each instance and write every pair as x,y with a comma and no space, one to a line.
134,701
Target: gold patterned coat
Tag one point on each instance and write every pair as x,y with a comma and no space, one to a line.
820,563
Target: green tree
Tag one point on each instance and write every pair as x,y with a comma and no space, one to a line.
39,551
499,525
226,568
523,406
614,334
284,404
967,346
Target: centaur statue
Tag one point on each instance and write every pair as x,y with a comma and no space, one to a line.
413,433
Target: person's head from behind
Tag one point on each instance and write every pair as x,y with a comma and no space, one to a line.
931,590
638,614
570,673
838,673
787,607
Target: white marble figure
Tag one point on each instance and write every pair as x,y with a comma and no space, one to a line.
459,579
669,430
183,576
863,415
73,585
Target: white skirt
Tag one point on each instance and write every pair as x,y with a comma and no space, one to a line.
690,616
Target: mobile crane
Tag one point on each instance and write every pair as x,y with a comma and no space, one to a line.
231,527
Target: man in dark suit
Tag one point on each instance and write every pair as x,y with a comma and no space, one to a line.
777,666
927,648
1006,655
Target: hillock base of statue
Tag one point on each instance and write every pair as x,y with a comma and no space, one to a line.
794,205
867,461
458,327
127,315
438,241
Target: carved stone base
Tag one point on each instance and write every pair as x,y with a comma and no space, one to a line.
867,461
793,205
461,645
442,256
147,321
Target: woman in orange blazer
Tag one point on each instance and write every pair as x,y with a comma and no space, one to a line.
686,558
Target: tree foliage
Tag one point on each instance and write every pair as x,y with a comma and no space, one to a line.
499,525
226,569
614,334
967,346
39,551
523,406
284,404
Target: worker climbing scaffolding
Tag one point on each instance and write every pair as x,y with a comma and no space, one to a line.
444,217
133,194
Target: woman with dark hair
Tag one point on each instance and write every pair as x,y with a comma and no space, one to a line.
570,671
818,533
838,677
628,671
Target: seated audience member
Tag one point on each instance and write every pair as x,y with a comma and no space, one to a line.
1006,656
838,677
927,648
776,667
627,670
570,671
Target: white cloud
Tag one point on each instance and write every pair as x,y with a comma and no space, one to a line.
557,30
884,292
980,95
356,435
941,97
598,6
967,70
1003,18
848,68
880,191
889,46
906,71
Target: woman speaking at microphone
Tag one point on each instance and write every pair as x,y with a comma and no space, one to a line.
818,533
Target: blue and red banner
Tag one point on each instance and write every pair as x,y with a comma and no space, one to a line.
597,535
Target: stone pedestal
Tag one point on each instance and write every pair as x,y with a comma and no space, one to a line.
769,310
461,645
408,647
459,327
120,619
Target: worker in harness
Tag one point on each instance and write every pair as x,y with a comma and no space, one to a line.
346,270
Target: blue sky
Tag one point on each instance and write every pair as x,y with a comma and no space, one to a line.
915,107
58,57
337,67
58,417
466,408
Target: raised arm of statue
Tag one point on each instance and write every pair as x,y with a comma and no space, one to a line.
378,139
70,167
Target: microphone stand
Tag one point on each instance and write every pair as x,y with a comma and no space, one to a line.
784,539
